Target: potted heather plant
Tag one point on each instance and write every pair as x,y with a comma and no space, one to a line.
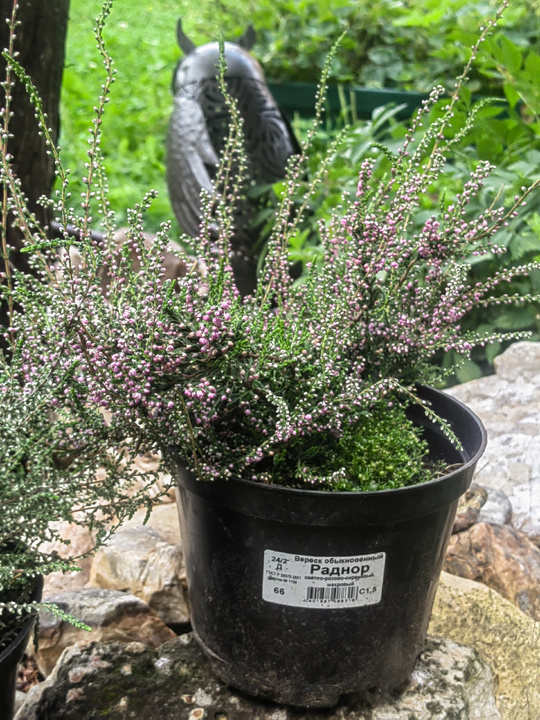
318,471
60,463
57,468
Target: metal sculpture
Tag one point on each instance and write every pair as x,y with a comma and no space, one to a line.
198,129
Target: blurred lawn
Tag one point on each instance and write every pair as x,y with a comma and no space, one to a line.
141,38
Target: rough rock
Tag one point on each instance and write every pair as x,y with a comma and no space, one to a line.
121,681
525,501
163,518
471,613
110,614
142,561
149,463
497,508
469,506
509,405
20,699
500,557
80,542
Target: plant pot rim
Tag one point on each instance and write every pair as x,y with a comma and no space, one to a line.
278,502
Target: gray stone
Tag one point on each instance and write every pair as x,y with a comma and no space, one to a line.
497,508
110,615
20,699
508,403
525,500
78,542
520,361
163,518
143,562
120,681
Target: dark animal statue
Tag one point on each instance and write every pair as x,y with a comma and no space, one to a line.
198,129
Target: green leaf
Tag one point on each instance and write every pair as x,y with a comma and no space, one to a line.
492,351
516,319
469,370
381,55
532,65
511,55
491,110
512,94
524,244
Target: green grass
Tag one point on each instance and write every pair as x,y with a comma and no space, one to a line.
143,46
142,42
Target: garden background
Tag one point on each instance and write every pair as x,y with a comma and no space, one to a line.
397,44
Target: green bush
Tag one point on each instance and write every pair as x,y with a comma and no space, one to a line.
386,450
388,43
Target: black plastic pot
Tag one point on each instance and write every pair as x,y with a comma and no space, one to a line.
10,658
301,596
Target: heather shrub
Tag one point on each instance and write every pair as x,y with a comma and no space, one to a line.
247,386
60,462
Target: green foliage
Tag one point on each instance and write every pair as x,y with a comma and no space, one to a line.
384,451
411,45
49,466
504,135
134,149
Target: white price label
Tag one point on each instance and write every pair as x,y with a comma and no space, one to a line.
322,582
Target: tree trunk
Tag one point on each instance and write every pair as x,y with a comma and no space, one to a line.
40,41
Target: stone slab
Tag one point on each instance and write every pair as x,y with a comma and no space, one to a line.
120,681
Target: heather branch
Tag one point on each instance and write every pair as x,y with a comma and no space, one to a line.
276,280
8,85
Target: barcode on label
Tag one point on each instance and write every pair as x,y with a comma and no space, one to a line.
332,594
